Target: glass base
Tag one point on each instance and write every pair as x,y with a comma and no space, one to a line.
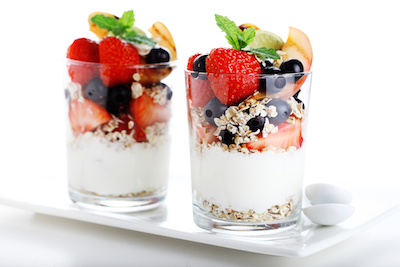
117,204
207,221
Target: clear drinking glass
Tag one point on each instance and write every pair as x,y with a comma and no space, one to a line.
247,158
118,138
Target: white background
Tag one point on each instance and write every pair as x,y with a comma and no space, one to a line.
353,127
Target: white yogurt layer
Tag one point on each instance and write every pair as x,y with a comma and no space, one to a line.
239,181
108,168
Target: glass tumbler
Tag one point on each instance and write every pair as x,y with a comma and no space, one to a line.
247,151
118,138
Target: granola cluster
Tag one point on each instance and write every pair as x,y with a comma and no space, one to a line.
236,118
274,213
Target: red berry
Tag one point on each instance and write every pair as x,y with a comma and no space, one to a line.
200,91
86,50
205,134
190,61
288,134
118,57
232,74
86,115
145,112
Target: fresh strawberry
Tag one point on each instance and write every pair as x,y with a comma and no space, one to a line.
140,134
145,112
86,115
242,69
288,134
190,61
200,91
117,57
205,134
86,50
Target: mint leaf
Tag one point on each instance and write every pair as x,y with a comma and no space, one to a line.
248,35
105,22
232,32
128,18
132,36
264,53
234,35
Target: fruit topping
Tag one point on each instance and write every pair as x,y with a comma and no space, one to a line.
118,99
85,115
191,59
199,64
243,81
292,65
83,49
298,46
146,112
96,91
266,39
214,109
283,110
157,55
163,37
288,135
117,57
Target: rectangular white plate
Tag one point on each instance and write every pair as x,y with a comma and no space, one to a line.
48,195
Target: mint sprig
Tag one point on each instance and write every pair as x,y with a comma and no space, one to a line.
240,39
264,53
122,28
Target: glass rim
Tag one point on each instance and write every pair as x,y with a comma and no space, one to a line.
256,75
172,63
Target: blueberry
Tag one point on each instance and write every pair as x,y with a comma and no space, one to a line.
227,137
292,65
157,55
96,91
272,84
265,64
282,108
199,65
169,91
256,123
118,98
214,109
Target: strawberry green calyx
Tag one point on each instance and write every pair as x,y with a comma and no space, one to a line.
240,39
122,28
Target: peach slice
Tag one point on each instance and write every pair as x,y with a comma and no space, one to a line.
160,34
297,46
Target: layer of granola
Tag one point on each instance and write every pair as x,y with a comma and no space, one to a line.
235,120
110,131
276,212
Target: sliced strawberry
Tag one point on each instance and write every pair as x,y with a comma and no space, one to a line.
145,112
86,50
205,134
140,134
117,58
288,134
86,116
